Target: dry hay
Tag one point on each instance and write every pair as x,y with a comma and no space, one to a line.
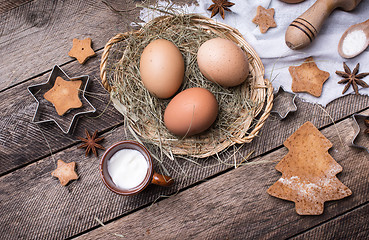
242,109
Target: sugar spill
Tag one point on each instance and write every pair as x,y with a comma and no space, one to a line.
354,42
127,168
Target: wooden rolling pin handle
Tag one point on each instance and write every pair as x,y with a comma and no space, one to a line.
303,30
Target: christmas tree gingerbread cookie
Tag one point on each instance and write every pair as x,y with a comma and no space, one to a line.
308,172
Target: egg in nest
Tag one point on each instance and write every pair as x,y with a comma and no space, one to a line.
190,112
222,61
162,68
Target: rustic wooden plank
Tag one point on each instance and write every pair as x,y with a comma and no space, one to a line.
52,211
35,205
6,5
235,205
352,225
22,141
39,34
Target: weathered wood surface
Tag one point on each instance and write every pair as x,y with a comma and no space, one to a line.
41,32
351,225
20,138
48,28
34,205
41,208
235,205
6,5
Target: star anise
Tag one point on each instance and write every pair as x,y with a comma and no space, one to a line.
352,78
219,6
91,143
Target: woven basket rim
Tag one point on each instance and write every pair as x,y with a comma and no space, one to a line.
263,92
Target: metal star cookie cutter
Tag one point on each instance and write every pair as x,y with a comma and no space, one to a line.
284,103
45,111
359,127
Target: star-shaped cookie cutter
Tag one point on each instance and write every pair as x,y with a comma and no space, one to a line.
45,111
358,121
284,103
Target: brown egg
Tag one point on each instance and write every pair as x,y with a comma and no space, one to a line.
222,61
162,68
190,112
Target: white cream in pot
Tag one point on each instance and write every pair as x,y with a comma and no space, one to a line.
127,168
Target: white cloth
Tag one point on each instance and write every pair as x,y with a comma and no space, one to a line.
274,53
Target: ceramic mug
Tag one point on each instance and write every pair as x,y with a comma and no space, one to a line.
151,175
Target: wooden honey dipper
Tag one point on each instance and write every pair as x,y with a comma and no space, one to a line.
303,30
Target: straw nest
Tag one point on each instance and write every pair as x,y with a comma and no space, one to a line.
242,109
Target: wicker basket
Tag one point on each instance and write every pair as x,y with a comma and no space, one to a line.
261,92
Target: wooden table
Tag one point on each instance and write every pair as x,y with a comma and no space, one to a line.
213,201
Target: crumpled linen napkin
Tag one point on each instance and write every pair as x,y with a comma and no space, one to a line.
275,54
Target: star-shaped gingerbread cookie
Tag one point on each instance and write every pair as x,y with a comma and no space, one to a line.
45,111
264,18
64,95
65,172
308,78
82,50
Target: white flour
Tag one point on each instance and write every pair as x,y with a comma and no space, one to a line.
354,42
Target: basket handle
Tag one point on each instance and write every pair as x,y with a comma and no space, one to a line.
104,58
267,109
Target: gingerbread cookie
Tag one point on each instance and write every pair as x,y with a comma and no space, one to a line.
308,172
264,18
65,172
308,78
82,50
64,95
